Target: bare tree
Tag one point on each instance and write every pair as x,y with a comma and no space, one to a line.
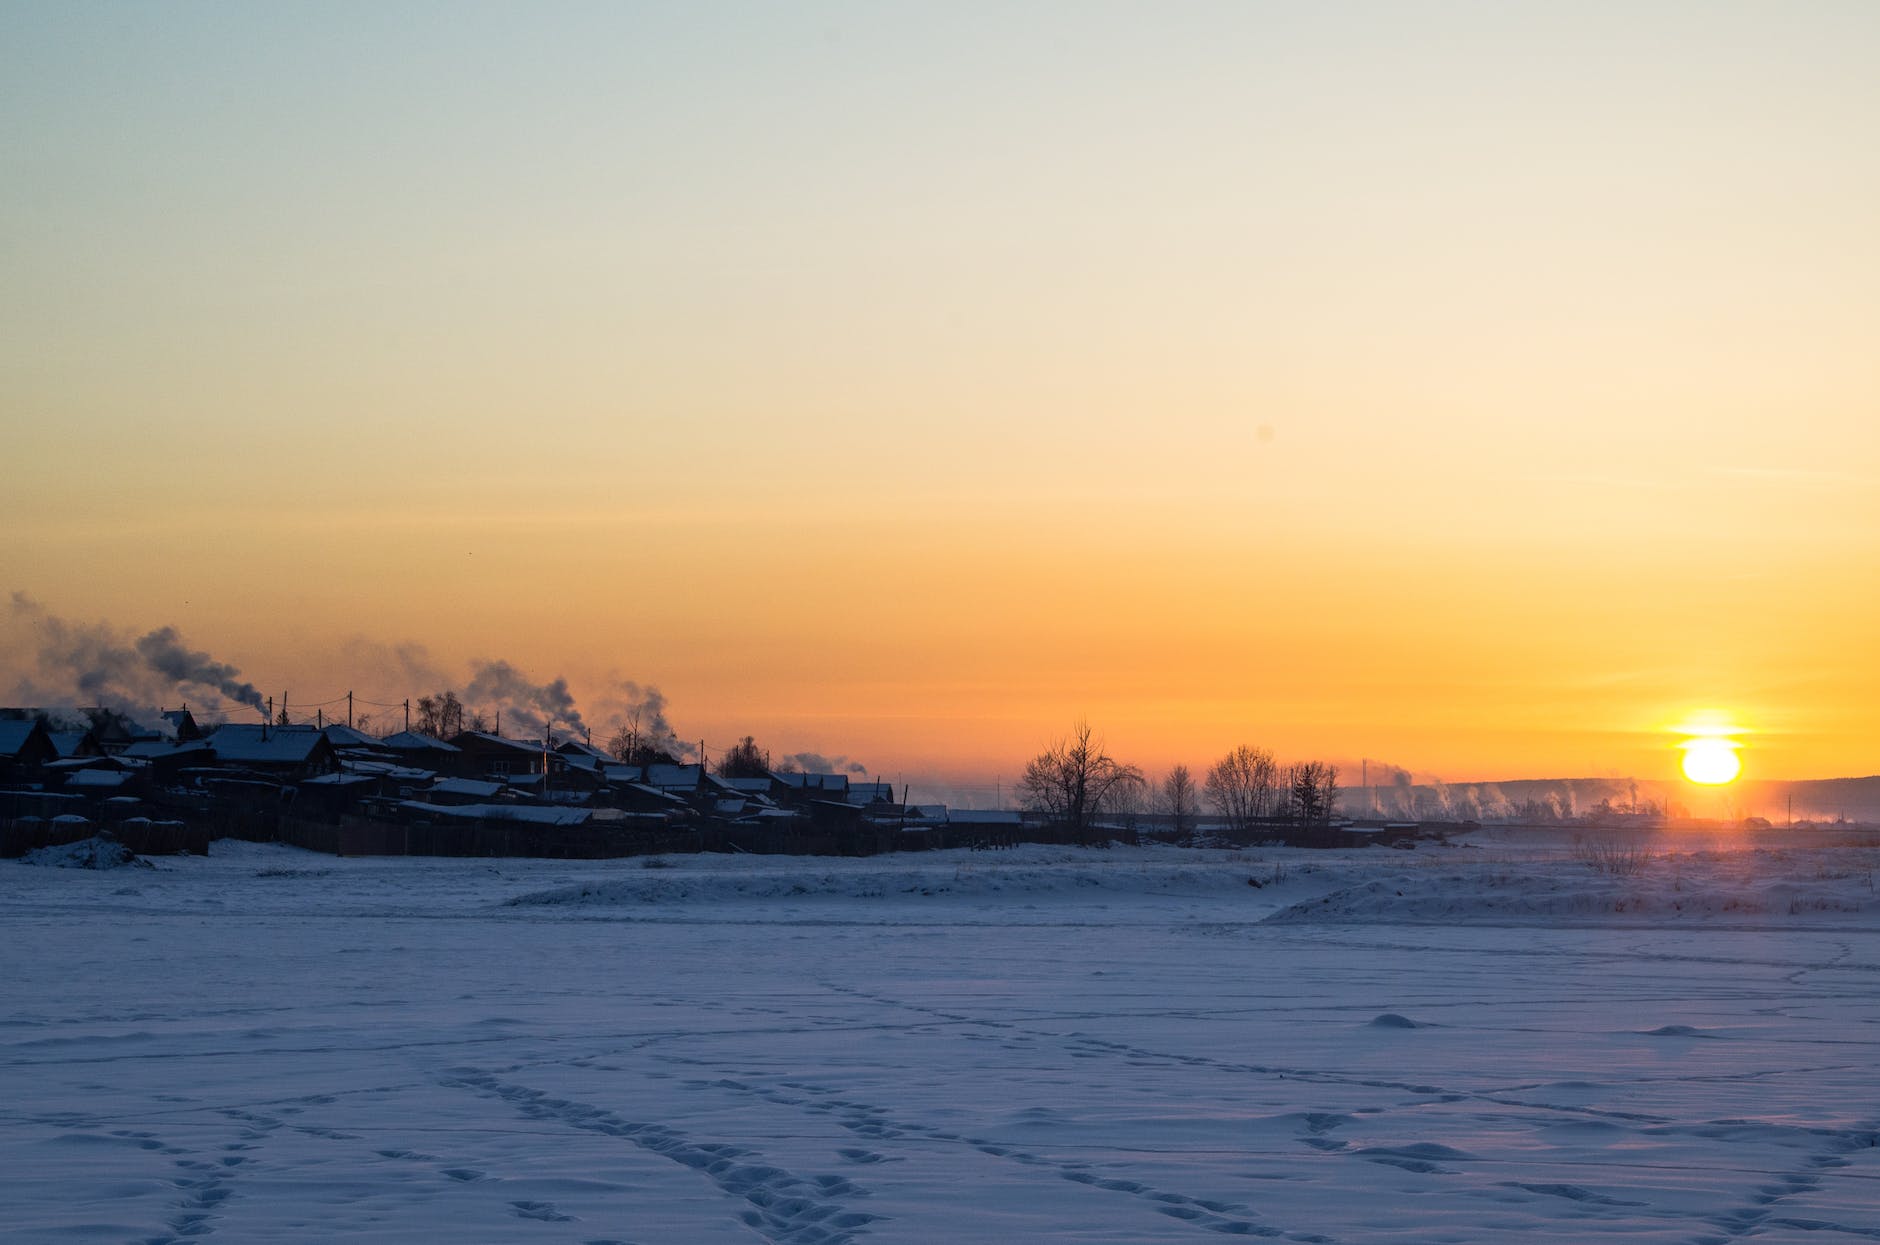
743,759
440,715
1243,786
1313,788
1178,799
1072,781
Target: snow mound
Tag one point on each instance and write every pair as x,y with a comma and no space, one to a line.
97,852
1703,886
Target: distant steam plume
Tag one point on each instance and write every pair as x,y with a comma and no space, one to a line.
817,763
92,664
528,707
163,651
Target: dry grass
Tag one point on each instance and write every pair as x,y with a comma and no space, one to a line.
1617,855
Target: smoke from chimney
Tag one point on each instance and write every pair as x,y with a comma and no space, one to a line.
94,665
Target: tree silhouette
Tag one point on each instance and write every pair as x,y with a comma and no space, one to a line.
1070,781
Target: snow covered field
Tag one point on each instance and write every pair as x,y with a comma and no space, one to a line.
1473,1043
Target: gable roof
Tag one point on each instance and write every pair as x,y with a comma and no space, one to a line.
685,776
342,736
416,741
155,748
531,746
814,782
67,743
15,735
266,745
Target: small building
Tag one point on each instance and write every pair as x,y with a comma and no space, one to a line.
801,788
492,756
72,744
25,746
414,748
866,793
284,753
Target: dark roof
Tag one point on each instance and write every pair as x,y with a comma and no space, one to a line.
67,743
265,745
532,747
154,748
14,735
814,782
343,736
415,741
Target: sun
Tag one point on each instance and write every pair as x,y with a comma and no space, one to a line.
1710,761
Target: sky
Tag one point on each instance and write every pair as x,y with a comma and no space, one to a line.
1480,389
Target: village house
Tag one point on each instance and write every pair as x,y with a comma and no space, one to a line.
25,747
283,753
492,756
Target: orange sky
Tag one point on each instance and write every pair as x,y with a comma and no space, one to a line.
1474,391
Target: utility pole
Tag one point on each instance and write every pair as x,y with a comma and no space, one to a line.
270,718
407,713
348,710
319,719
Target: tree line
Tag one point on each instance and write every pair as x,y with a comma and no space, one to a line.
1075,781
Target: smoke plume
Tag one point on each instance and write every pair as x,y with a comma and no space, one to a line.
92,664
817,763
530,707
163,651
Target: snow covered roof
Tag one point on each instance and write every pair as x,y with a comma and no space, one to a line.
534,814
414,741
679,776
150,748
387,769
13,736
769,814
750,786
342,736
814,782
984,817
68,742
99,779
467,787
337,780
278,745
531,746
578,748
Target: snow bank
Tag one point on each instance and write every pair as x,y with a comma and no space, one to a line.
1674,886
98,852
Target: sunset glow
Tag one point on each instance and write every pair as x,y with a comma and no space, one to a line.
1460,390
